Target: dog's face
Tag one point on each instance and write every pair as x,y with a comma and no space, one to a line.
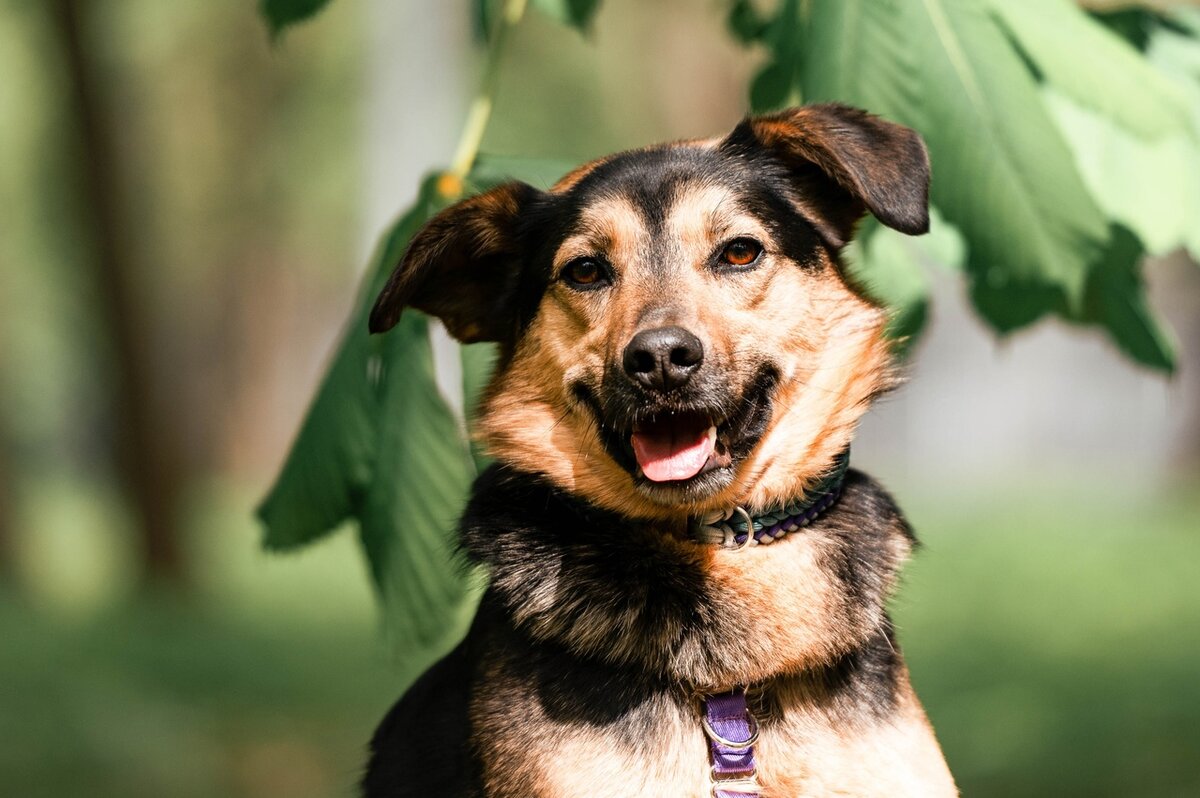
676,333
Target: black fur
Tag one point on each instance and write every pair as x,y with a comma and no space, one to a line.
525,657
515,276
597,622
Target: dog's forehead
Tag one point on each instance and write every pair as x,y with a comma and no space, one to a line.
654,183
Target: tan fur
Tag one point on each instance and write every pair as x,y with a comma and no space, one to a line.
796,616
828,339
791,607
598,644
806,751
572,178
807,756
812,754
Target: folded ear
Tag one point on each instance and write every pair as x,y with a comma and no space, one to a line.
463,266
873,164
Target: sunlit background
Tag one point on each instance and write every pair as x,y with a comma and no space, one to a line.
149,648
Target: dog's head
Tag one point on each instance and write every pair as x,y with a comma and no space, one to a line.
676,333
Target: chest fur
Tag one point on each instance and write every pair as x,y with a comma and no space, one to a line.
656,749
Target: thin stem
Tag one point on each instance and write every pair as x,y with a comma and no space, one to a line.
481,105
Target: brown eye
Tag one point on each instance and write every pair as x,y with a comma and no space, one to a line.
584,273
741,252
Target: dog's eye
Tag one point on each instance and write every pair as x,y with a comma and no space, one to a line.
584,273
741,252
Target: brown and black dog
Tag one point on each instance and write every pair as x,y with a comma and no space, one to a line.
677,340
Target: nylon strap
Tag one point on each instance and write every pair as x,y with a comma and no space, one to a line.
731,730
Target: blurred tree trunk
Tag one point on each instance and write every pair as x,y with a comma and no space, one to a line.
6,475
146,446
6,509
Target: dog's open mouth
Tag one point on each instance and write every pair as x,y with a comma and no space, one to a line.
674,447
685,451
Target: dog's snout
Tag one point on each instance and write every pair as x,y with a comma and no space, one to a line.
663,358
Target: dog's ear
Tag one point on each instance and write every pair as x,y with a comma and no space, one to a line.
463,267
873,165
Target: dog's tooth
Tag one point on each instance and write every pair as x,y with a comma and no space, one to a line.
712,434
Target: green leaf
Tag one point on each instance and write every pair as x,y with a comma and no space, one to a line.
1151,187
280,14
1094,66
1134,25
1116,298
408,521
1002,173
1175,49
884,266
484,13
775,84
890,268
332,462
379,445
771,88
746,23
576,13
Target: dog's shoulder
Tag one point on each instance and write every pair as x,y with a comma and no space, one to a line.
421,747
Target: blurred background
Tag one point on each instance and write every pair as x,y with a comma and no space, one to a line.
185,210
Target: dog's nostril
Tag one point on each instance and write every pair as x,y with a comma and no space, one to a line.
687,355
663,358
641,361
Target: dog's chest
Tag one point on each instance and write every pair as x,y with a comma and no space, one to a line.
658,750
560,739
667,762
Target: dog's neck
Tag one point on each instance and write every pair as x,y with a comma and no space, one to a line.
738,528
633,594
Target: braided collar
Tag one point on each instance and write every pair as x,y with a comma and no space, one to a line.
727,720
730,528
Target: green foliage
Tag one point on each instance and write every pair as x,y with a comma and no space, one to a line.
1003,175
1038,118
1044,126
1116,299
746,23
1119,166
279,14
331,466
381,446
891,268
775,85
576,13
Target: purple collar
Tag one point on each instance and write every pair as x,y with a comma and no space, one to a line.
732,731
728,723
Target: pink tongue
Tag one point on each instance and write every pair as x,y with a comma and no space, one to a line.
669,454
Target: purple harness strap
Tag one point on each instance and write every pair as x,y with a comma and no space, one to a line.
732,731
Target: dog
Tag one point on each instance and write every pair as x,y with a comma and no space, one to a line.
687,583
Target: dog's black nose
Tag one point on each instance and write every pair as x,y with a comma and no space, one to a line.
663,358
